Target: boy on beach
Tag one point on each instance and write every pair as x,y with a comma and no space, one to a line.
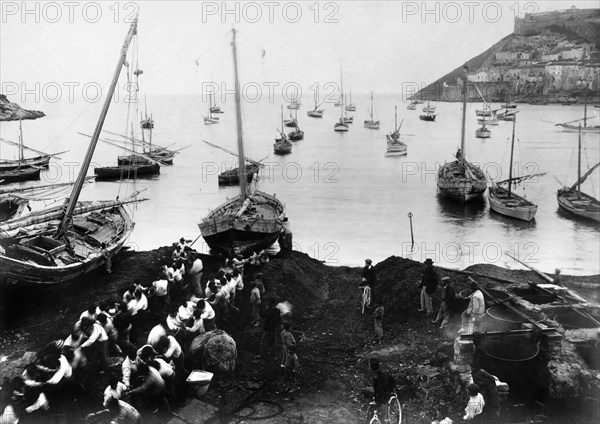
475,404
378,321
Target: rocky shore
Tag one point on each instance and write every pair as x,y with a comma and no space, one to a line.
334,345
10,111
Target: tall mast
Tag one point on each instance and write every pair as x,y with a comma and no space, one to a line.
585,106
68,214
512,150
20,143
238,119
282,120
579,165
371,113
395,118
342,107
464,118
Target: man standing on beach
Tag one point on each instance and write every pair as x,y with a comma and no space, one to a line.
272,318
447,303
429,283
369,277
474,312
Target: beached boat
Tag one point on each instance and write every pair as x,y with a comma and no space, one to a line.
316,112
507,115
341,125
40,161
573,201
371,123
394,146
509,104
460,179
501,196
63,243
483,132
252,220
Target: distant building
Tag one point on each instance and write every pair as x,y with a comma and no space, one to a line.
573,54
481,76
506,57
550,57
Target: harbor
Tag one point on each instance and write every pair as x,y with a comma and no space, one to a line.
478,217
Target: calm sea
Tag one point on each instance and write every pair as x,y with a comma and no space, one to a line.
345,200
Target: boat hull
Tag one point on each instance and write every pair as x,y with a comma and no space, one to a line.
514,206
429,118
231,177
126,171
373,125
20,267
455,183
315,114
585,206
574,128
16,175
165,158
483,134
225,232
38,161
12,207
340,127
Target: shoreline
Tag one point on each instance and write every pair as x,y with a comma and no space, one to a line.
334,338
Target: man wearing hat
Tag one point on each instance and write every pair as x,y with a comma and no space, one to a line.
446,306
428,285
369,277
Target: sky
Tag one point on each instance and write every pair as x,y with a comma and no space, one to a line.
68,49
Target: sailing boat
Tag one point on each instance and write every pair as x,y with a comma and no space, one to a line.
63,243
282,145
347,119
483,132
210,119
569,127
429,108
460,179
412,105
351,106
394,146
42,160
573,201
370,123
292,122
147,123
296,134
250,221
214,108
316,112
509,104
341,125
504,201
231,176
294,104
340,102
21,170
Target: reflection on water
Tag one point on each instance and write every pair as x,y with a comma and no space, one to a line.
461,211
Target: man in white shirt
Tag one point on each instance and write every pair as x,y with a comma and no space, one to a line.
97,341
475,311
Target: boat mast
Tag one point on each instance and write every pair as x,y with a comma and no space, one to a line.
512,150
464,118
371,113
282,120
20,143
396,118
585,106
342,108
238,118
68,213
579,165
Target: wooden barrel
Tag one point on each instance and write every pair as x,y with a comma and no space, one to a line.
506,319
571,320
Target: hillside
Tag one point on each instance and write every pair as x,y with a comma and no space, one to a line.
550,57
13,112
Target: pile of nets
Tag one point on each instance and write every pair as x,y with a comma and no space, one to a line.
215,349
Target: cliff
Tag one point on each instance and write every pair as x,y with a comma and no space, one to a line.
13,112
550,57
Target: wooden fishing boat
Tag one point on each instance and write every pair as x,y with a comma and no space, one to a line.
316,112
12,207
501,196
341,125
412,105
483,132
250,221
231,176
571,127
351,107
210,119
294,105
394,146
460,179
429,108
290,123
63,243
371,123
428,117
282,145
123,172
41,161
296,135
573,201
19,174
158,155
